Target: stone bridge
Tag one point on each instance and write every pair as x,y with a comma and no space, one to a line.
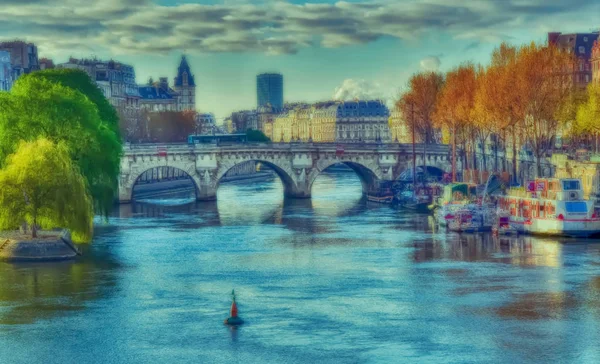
296,164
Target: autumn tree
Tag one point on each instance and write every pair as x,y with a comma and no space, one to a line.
42,186
543,85
170,126
418,104
455,103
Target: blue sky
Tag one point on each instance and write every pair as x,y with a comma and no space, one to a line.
324,48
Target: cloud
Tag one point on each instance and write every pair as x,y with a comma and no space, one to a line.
430,63
271,27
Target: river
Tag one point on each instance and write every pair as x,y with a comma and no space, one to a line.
333,279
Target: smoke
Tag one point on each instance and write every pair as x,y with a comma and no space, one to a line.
430,63
352,89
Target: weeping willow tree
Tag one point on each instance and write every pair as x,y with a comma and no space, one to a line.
41,186
38,107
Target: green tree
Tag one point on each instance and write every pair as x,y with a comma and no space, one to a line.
80,81
42,186
256,136
39,108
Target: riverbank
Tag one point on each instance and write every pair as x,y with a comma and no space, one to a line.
48,246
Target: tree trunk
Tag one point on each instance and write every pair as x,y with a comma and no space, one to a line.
514,147
454,155
34,226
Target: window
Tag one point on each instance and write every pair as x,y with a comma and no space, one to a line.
570,185
587,78
576,206
585,39
581,49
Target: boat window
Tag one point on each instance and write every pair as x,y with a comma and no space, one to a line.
576,206
570,185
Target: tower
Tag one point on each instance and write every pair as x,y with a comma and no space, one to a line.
185,87
269,90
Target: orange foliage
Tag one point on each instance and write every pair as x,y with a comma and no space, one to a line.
419,102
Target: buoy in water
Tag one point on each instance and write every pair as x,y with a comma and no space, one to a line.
233,319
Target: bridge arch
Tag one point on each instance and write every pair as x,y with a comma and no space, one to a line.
126,185
368,173
285,174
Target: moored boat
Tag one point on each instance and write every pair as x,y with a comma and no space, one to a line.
472,218
454,198
382,194
551,207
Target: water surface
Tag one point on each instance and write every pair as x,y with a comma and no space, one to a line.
333,279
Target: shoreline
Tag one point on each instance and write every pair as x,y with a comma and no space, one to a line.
48,246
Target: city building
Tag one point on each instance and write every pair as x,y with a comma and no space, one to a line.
157,96
580,45
206,124
269,90
332,121
160,96
185,86
244,120
117,82
595,60
23,57
362,121
398,127
6,72
46,63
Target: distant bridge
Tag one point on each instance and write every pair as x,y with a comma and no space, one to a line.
296,164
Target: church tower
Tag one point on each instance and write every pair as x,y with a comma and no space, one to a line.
185,87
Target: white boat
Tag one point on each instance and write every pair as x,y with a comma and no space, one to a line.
551,207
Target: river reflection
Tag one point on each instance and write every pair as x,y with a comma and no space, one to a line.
332,279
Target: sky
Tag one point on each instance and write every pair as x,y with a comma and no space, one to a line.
324,49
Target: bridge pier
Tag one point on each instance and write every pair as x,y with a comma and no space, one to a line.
206,193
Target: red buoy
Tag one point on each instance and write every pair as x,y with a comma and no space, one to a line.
233,319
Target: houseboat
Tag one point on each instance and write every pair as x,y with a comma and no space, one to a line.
551,207
454,198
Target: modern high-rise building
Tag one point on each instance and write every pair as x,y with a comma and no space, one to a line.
269,90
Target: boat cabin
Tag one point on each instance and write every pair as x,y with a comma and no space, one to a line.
456,192
548,198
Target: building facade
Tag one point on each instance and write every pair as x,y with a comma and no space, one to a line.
206,124
116,80
269,90
596,62
160,96
6,72
362,121
23,57
398,127
332,121
46,64
580,46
